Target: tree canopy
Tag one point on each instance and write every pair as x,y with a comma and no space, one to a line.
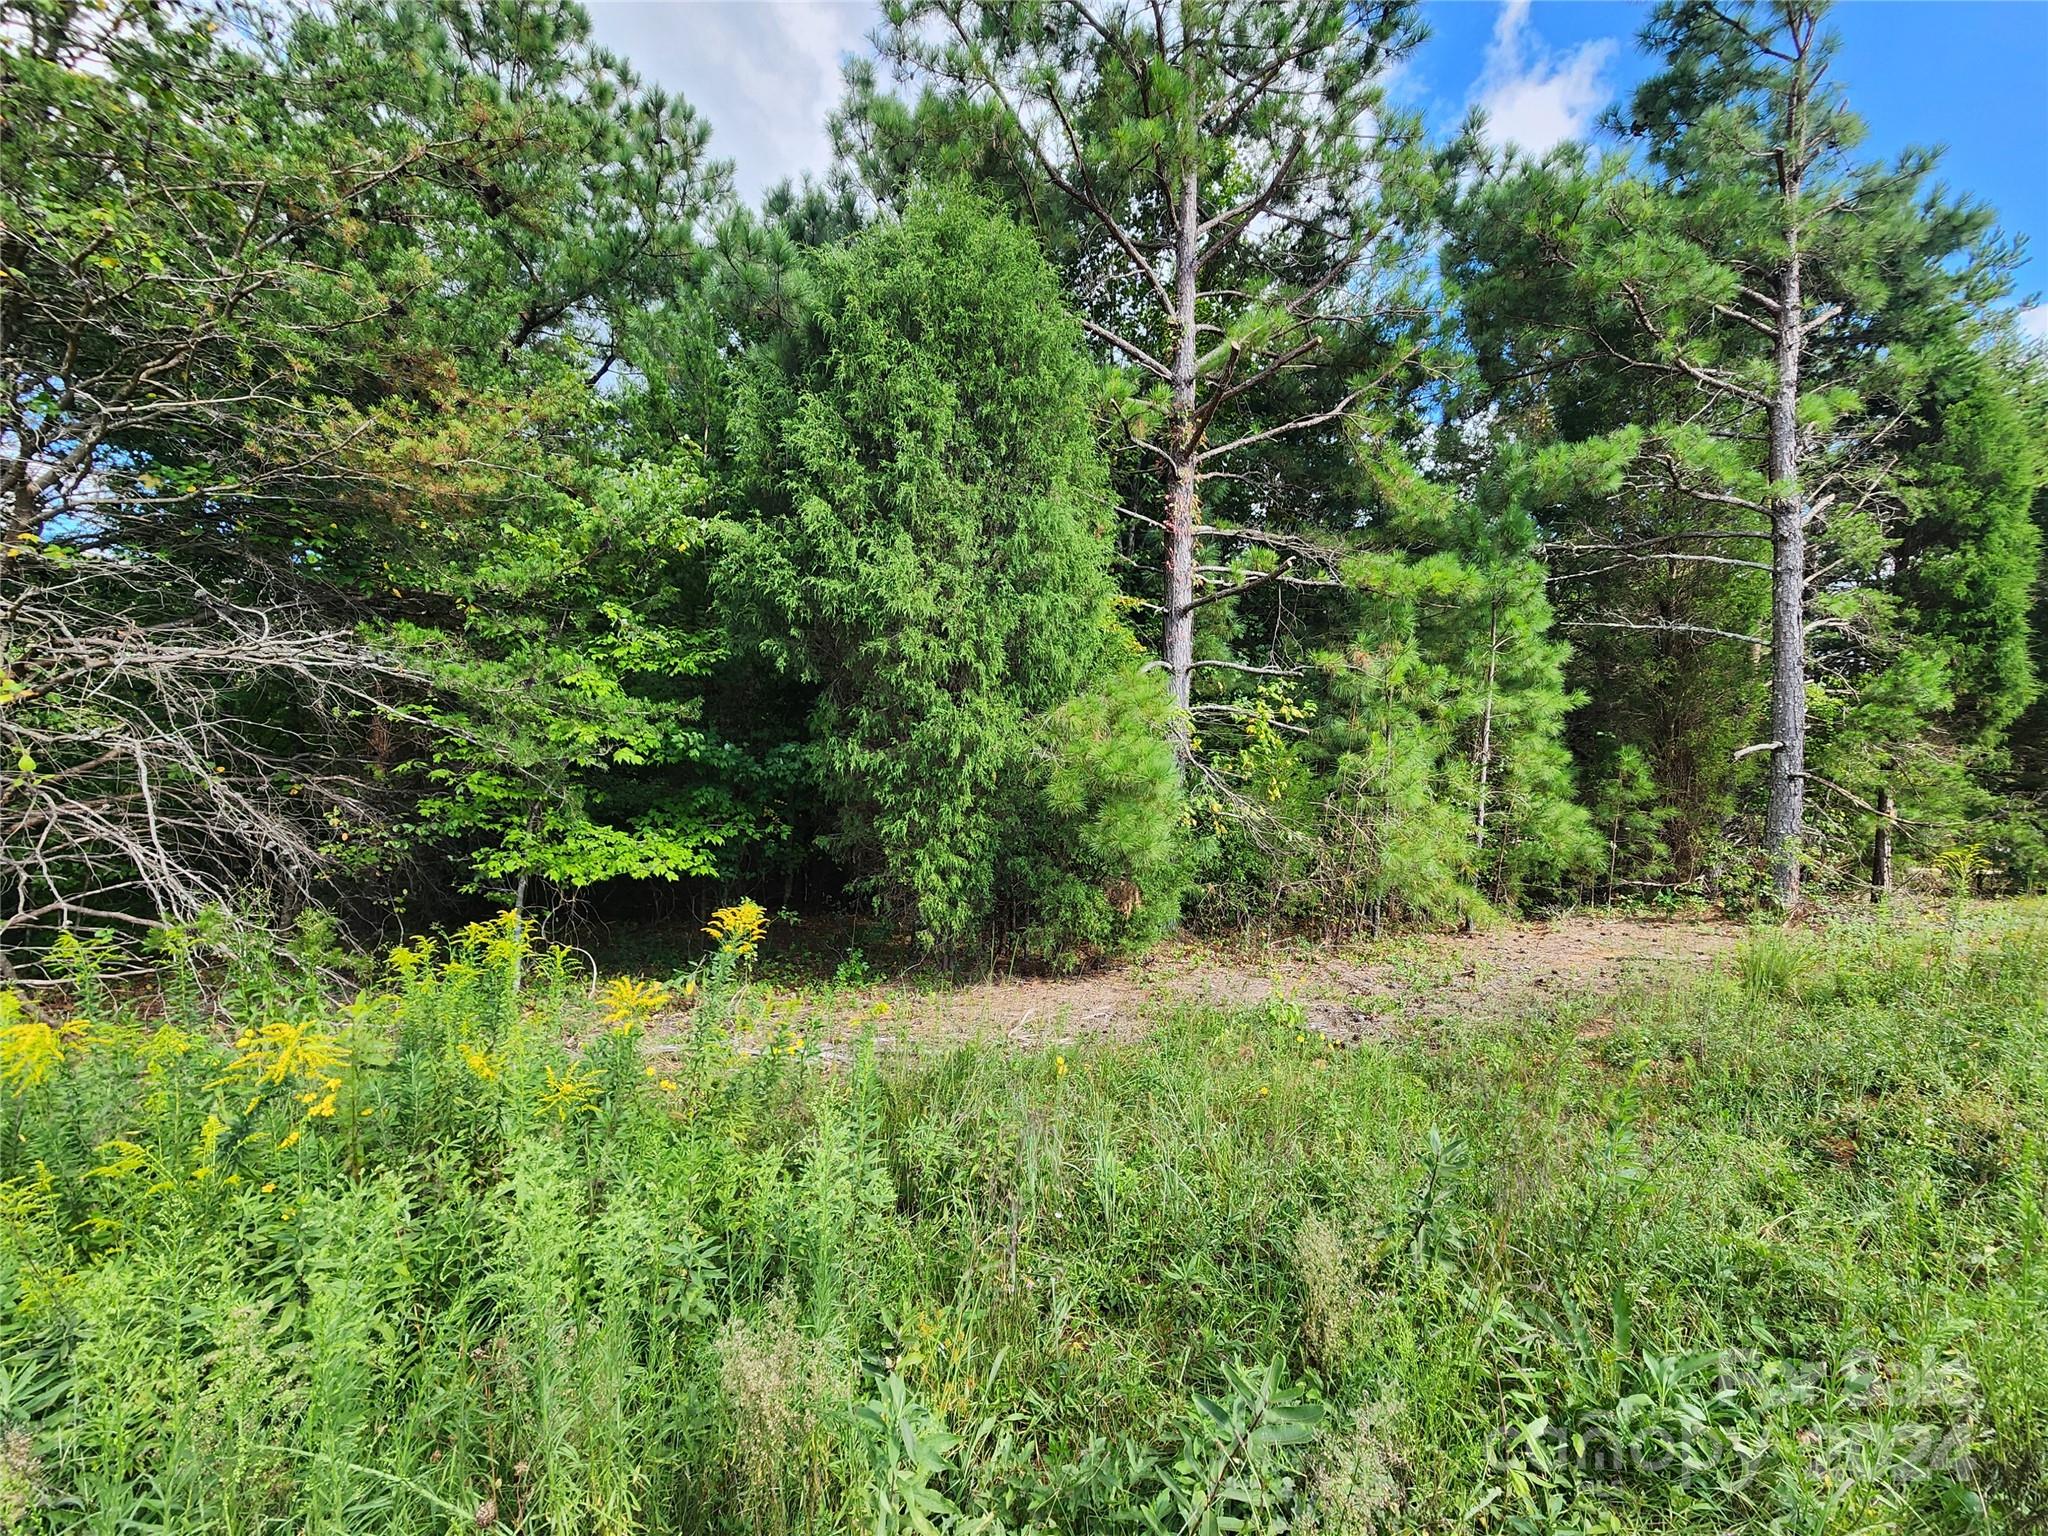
1146,476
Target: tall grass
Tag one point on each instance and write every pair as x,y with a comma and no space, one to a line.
1756,1256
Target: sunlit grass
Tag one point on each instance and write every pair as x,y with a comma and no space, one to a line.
1763,1255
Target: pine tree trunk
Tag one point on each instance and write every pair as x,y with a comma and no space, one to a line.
1178,641
1486,724
1785,815
1881,849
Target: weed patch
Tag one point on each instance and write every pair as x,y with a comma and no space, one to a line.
1765,1254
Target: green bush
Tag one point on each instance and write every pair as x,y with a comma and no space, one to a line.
926,540
1101,845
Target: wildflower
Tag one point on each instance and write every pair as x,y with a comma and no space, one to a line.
479,1061
128,1156
324,1110
1059,1066
270,1189
367,1113
503,941
210,1132
569,1092
1265,1092
667,1085
168,1041
291,1139
647,1071
280,1051
628,1002
738,929
31,1048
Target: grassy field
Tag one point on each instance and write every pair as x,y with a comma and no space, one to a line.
1764,1254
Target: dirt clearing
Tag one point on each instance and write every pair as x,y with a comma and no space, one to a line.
1353,992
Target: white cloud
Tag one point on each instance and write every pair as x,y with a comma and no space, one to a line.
2033,323
765,73
1533,98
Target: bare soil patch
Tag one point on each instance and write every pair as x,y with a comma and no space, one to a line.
1353,992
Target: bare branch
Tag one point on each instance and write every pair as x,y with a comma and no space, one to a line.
1673,628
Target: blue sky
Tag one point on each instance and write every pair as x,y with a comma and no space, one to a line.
1971,75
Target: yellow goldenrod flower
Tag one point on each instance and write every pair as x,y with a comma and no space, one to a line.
628,1001
569,1092
291,1139
479,1061
168,1041
128,1156
738,929
210,1132
270,1189
31,1048
280,1051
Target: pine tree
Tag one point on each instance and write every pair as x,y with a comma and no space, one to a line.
1791,295
1236,199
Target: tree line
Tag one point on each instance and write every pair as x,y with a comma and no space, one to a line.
1148,477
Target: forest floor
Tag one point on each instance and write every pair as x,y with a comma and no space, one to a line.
1347,992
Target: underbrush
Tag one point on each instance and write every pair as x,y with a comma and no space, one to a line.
472,1252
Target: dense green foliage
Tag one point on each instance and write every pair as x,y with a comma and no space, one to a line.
426,486
1148,478
1768,1254
1635,298
928,543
